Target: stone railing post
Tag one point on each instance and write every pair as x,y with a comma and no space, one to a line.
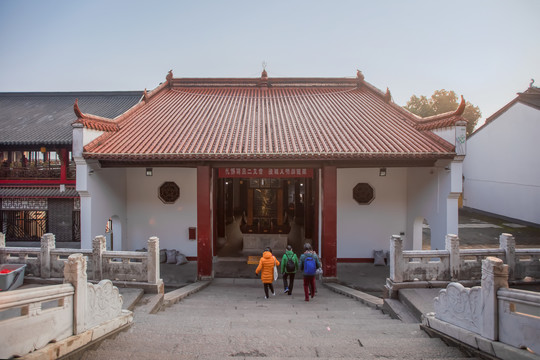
153,260
494,276
508,244
75,274
99,245
396,258
3,255
47,244
452,246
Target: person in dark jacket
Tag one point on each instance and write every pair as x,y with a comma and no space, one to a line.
290,273
309,279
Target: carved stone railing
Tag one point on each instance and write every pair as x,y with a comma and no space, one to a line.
435,268
125,268
46,319
486,315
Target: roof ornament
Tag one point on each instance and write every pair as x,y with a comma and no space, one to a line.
387,96
264,74
461,107
360,78
169,76
145,95
531,84
76,109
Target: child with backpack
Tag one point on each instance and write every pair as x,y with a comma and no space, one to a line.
289,267
309,263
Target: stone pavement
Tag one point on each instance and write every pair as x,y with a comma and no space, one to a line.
231,318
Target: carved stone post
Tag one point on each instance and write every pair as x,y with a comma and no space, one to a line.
508,244
396,258
47,244
99,245
75,274
452,246
494,276
153,260
3,255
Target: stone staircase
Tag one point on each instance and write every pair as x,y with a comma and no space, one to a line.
231,319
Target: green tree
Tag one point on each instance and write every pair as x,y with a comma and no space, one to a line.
440,102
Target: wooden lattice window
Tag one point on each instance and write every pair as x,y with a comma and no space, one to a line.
363,193
169,192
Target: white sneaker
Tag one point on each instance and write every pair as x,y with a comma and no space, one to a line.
274,293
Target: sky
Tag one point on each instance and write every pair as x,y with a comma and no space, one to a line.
487,51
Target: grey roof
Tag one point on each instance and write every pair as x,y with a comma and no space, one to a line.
531,97
45,118
38,191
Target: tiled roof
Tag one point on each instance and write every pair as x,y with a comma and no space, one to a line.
37,191
267,119
45,118
442,120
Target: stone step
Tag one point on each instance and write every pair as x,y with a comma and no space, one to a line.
227,320
397,310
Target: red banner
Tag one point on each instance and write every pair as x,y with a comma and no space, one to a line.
243,172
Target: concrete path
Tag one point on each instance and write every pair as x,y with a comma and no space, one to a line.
231,318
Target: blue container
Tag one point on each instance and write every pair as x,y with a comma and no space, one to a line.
13,279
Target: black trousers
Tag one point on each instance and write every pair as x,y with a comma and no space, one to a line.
266,286
290,285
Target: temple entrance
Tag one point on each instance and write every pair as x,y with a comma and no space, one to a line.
257,208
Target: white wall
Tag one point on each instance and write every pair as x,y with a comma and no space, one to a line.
364,228
106,189
502,167
427,191
148,216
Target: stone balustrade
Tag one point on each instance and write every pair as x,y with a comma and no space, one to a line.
435,268
489,316
124,268
57,319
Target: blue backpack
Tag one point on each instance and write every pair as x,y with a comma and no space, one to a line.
310,265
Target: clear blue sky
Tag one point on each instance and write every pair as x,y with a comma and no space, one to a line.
485,50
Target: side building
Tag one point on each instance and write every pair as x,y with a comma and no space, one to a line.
222,167
502,168
37,172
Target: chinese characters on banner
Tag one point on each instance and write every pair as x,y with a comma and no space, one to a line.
242,172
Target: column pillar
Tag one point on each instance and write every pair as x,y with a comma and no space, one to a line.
47,244
75,274
452,246
396,258
494,277
204,223
508,244
99,245
153,260
329,221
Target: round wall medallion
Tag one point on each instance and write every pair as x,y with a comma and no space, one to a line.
363,193
169,192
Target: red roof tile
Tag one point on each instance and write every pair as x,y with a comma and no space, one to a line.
267,119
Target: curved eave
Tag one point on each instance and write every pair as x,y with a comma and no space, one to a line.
270,156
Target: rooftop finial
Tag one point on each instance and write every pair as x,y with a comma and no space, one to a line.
531,84
169,76
145,95
77,110
387,96
461,107
359,75
264,73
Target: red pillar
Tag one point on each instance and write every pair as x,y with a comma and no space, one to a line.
204,223
329,221
64,161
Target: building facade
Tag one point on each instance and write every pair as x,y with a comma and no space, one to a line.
225,167
502,169
37,175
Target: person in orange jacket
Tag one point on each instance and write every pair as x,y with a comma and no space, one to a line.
266,268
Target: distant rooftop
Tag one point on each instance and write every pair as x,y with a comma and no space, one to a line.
45,118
